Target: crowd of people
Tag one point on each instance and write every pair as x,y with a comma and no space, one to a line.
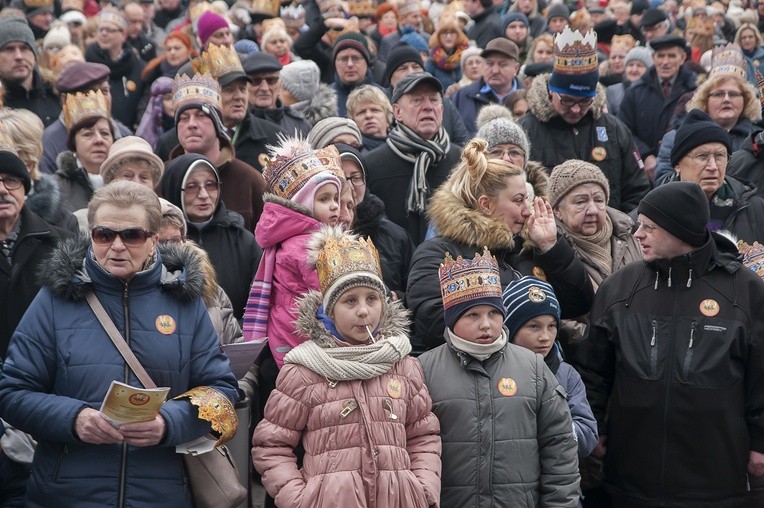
500,253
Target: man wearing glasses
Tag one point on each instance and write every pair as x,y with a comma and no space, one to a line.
352,63
566,120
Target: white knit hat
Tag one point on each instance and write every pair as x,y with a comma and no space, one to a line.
301,79
56,38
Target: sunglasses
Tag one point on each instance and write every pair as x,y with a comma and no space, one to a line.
271,80
132,237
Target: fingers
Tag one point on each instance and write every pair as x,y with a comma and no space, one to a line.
144,433
92,428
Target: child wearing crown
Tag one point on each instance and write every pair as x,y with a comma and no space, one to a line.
505,425
350,394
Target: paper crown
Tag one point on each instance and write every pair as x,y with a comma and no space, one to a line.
728,60
215,408
753,256
80,106
218,61
330,8
37,4
267,7
362,8
294,163
343,256
112,16
406,7
463,280
575,53
196,10
294,17
202,88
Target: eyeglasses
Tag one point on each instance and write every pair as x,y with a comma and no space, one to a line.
108,30
356,180
193,189
702,159
569,103
646,227
132,237
271,80
354,59
174,240
721,94
11,182
512,153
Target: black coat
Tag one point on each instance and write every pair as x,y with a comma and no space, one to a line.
748,164
487,27
40,100
124,80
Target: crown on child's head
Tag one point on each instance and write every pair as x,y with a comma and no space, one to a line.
200,89
80,106
728,60
463,280
218,61
293,163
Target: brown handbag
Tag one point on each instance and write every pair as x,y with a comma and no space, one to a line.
214,476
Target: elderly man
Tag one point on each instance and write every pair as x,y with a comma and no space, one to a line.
499,80
565,120
39,15
264,90
654,24
673,363
212,28
418,155
19,75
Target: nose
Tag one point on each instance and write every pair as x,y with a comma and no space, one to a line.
117,244
485,323
203,192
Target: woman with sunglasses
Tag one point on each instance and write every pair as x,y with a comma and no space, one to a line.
61,361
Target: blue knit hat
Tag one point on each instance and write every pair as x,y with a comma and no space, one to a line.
527,298
511,17
576,67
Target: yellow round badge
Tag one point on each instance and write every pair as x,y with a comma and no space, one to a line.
165,324
599,153
507,386
131,86
709,307
539,273
394,388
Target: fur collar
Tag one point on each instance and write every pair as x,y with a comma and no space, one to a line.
395,321
45,201
67,165
540,104
322,105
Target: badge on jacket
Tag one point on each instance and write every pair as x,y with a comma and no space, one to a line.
599,153
507,386
709,307
602,134
165,324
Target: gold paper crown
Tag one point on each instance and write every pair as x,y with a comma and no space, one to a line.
728,60
197,10
463,280
287,174
753,256
267,7
575,53
218,61
215,408
112,16
362,8
84,105
202,88
294,17
345,256
36,4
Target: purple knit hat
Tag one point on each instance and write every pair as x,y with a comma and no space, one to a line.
209,23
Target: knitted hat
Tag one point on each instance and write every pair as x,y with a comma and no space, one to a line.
16,30
10,164
681,208
170,210
401,54
56,38
301,79
496,126
576,68
323,133
413,39
200,92
525,299
73,17
697,129
466,283
511,17
131,147
570,174
343,261
207,24
639,6
352,40
471,51
641,54
35,7
557,10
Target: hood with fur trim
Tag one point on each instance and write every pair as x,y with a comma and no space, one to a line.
395,320
66,273
540,104
320,106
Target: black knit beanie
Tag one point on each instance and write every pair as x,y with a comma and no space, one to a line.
353,40
11,164
681,208
399,55
697,129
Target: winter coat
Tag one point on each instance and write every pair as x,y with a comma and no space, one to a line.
614,94
647,113
446,78
746,165
464,232
487,27
452,121
501,450
223,318
384,453
309,45
40,100
598,135
388,176
45,200
754,63
289,120
674,357
125,81
580,412
61,361
54,139
469,99
73,182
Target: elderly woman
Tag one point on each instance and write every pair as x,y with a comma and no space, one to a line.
61,362
637,61
700,154
486,203
192,183
471,64
277,42
90,135
370,109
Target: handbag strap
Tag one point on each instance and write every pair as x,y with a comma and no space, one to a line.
119,341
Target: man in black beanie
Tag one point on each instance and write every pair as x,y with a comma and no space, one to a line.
673,363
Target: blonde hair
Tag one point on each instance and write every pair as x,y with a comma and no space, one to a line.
751,105
546,39
277,32
369,93
25,131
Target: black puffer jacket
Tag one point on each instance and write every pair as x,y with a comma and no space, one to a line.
748,164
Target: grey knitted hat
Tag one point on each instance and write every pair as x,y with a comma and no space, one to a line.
641,54
16,30
301,79
323,133
495,125
572,173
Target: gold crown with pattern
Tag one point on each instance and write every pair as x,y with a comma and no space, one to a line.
201,88
575,53
344,256
362,8
267,7
753,256
287,174
197,10
36,4
112,16
215,408
217,61
728,60
80,106
463,280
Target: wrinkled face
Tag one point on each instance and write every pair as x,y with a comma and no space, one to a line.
510,204
354,175
617,59
481,324
176,52
543,52
421,110
121,260
93,143
171,234
16,62
499,71
220,37
516,32
509,153
357,312
110,37
748,40
351,66
200,195
196,131
634,70
656,242
138,172
667,62
571,108
234,99
11,200
584,209
277,46
326,204
725,103
473,67
537,334
371,119
705,165
652,31
404,70
264,89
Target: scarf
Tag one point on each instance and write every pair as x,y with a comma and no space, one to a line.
721,206
350,363
478,351
255,322
598,260
410,147
286,59
445,62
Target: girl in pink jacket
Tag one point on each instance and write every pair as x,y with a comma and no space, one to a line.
350,395
304,187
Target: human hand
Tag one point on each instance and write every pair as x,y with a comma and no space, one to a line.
600,450
542,229
650,163
336,23
147,433
756,463
92,428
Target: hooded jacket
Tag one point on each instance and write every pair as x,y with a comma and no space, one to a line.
61,361
598,138
674,358
382,453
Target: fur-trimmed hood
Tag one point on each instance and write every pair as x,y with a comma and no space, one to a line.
45,200
67,165
322,105
395,320
68,272
540,104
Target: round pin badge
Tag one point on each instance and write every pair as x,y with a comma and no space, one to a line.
507,386
539,273
709,307
165,324
599,153
131,86
394,388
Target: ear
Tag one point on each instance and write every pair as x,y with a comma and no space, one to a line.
396,112
485,205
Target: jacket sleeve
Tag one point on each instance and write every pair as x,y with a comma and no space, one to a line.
423,435
567,275
276,436
583,420
456,128
230,329
627,113
663,164
634,182
308,44
557,446
423,295
754,396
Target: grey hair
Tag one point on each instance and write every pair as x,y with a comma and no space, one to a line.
124,194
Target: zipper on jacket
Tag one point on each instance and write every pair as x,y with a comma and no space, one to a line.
58,462
387,405
688,355
654,350
123,461
348,407
667,397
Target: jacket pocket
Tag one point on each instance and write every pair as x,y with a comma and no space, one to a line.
643,343
59,460
710,353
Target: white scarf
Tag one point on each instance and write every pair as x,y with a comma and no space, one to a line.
478,351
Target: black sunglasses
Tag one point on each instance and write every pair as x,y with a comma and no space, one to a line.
132,237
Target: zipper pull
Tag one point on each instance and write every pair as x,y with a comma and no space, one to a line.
652,342
388,405
348,407
692,333
332,384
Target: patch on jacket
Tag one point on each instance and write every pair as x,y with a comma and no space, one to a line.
714,328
